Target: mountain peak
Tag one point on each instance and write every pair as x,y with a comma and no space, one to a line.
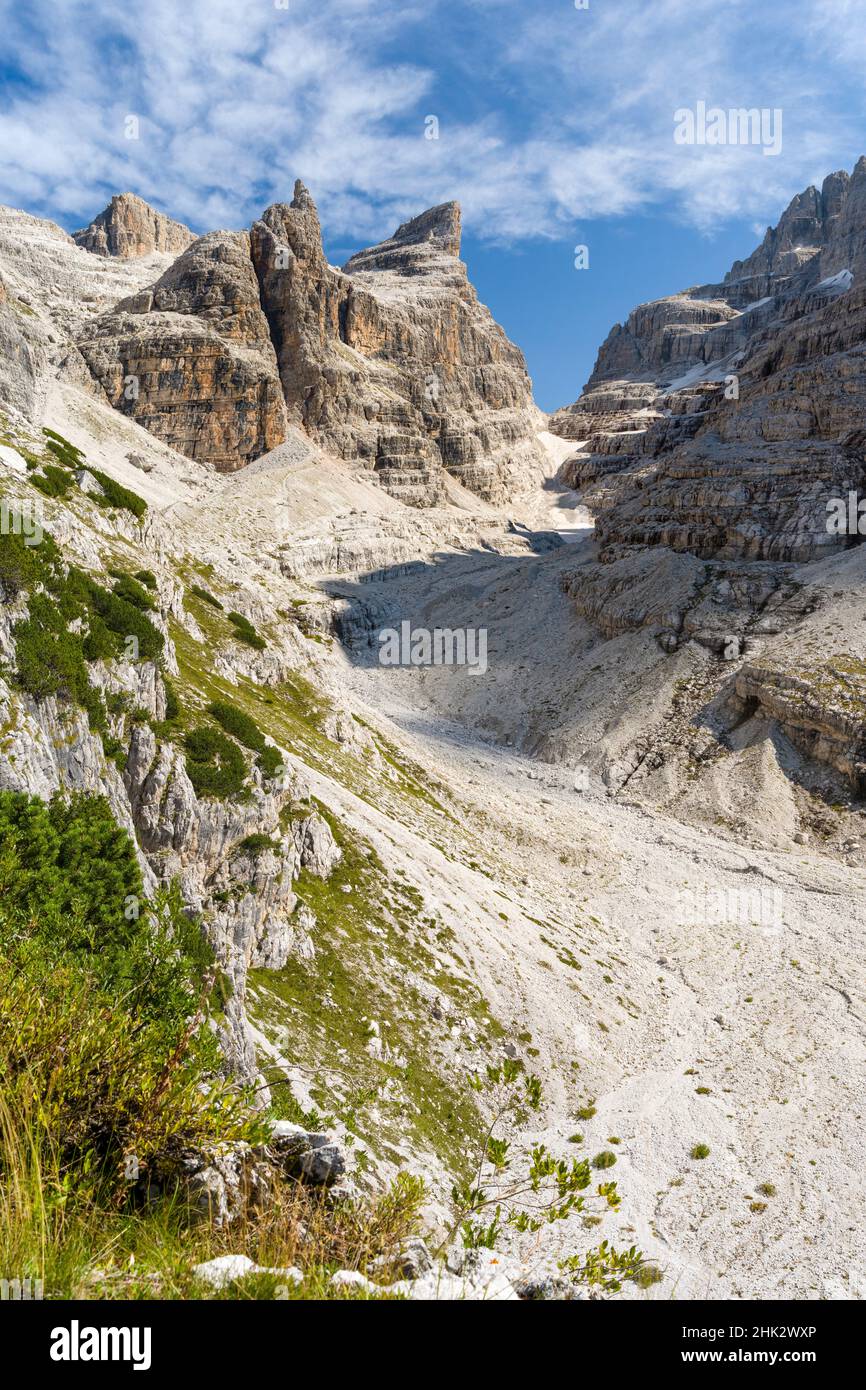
302,198
129,227
432,234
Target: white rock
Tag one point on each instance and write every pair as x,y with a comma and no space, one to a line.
354,1279
223,1270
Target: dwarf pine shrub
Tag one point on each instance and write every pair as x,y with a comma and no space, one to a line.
215,764
238,723
103,996
245,632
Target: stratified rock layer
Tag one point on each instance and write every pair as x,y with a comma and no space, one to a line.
723,420
191,359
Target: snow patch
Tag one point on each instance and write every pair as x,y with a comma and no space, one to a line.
839,283
750,308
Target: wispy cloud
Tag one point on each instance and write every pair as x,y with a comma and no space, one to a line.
547,114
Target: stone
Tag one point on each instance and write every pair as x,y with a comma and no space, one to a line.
354,1279
224,1270
313,1157
316,846
411,1261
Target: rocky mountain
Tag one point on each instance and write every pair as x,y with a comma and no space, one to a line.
408,875
130,227
391,363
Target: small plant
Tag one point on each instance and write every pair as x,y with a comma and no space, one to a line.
549,1190
703,1091
206,596
700,1151
647,1275
606,1159
767,1189
575,1138
256,844
245,632
586,1112
607,1268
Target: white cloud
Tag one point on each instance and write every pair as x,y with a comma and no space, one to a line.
547,114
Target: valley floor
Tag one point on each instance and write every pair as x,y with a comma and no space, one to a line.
677,1023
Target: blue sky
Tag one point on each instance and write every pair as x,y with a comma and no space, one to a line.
555,128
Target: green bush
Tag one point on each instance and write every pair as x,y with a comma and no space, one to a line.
72,873
68,454
254,844
215,764
100,644
68,860
606,1159
172,704
103,1036
245,632
237,722
53,481
50,658
146,577
203,594
23,566
121,617
116,495
270,760
127,588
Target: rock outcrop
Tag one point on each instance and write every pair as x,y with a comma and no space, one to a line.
391,363
191,359
130,227
723,420
720,429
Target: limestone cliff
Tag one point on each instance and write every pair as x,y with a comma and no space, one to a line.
130,227
391,362
719,421
191,359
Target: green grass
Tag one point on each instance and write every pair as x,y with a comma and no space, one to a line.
370,959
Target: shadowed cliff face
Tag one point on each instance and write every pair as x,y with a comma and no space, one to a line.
391,362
